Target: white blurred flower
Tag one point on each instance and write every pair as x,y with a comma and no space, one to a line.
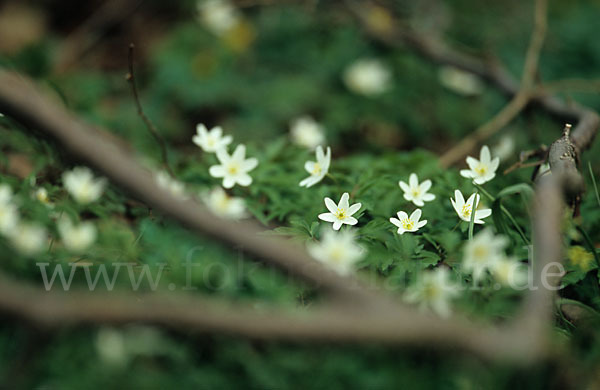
317,169
505,148
9,218
408,224
76,238
28,239
223,205
234,168
175,187
368,77
110,345
482,253
337,250
463,209
482,170
219,16
305,131
341,213
459,81
41,194
510,272
6,194
82,185
211,141
434,290
415,192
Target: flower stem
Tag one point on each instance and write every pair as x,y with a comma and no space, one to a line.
506,212
473,209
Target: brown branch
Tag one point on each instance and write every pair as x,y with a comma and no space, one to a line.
188,313
360,315
149,125
20,99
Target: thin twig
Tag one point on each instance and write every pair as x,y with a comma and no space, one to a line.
149,125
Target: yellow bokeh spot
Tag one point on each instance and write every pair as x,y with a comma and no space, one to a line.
580,257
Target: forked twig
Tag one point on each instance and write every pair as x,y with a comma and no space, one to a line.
149,125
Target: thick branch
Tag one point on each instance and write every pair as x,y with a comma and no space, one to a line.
21,100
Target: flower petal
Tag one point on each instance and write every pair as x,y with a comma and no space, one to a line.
244,179
425,186
217,171
350,220
466,173
330,204
309,166
228,182
472,162
240,153
327,217
396,222
413,180
404,186
484,156
249,164
344,201
402,215
416,215
354,208
337,224
222,155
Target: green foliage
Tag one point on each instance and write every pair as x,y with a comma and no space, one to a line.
293,66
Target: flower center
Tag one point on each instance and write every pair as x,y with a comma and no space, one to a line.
316,170
480,253
408,224
233,169
431,292
337,254
210,141
481,169
416,193
466,210
340,214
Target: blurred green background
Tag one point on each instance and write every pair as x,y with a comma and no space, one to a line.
280,60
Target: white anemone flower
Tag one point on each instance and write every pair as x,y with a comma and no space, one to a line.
463,209
341,213
337,250
211,141
415,192
223,205
317,169
82,185
368,77
307,132
29,239
175,187
234,168
76,238
482,170
408,224
482,253
434,290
